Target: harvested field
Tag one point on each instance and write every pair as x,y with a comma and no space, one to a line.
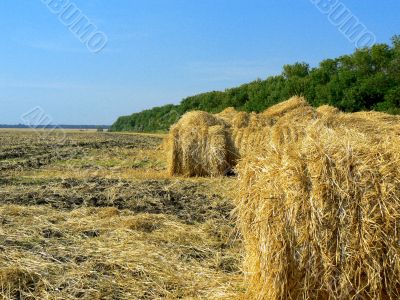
98,217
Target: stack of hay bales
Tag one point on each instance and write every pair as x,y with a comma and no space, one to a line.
319,210
251,130
319,195
200,144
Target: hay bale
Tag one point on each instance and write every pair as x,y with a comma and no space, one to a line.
241,120
319,213
197,148
227,114
387,124
236,119
200,144
375,123
327,110
276,124
378,116
251,133
283,108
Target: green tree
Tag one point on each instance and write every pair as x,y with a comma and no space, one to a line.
367,79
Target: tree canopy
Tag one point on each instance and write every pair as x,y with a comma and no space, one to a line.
368,79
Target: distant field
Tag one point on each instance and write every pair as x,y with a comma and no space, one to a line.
94,215
47,130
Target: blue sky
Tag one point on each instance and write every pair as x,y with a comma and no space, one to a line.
160,51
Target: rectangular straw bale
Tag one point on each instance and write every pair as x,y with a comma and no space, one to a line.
320,213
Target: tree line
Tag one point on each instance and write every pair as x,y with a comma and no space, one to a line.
368,79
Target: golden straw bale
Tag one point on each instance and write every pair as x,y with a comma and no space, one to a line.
195,148
300,115
387,124
319,215
289,127
329,115
249,139
253,135
200,144
375,123
259,121
240,120
378,116
236,119
227,114
283,108
325,110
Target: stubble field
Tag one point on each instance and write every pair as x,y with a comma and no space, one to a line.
94,215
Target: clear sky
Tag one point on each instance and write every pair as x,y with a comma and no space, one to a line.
160,51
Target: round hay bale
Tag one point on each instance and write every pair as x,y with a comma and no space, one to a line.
200,144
